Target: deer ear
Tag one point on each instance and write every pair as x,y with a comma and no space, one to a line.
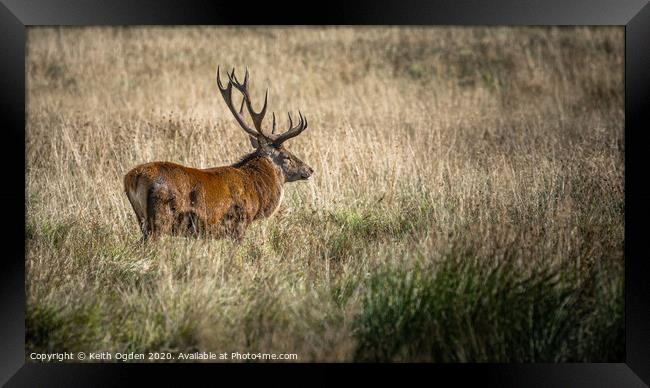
254,142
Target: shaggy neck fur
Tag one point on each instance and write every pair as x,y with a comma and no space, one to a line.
267,178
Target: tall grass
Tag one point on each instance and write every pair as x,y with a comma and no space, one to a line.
467,203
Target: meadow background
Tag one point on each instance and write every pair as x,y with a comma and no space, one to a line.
467,202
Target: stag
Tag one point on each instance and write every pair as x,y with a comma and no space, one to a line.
169,198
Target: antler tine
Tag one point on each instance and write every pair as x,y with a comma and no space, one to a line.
232,75
262,112
219,81
241,108
273,129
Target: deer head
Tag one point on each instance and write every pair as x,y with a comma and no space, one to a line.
266,144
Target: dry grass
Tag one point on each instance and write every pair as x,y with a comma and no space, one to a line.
459,171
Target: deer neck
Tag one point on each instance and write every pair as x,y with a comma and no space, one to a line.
268,181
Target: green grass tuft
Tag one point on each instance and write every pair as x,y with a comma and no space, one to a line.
466,309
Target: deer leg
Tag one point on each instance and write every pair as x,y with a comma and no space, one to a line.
234,223
144,238
160,213
149,230
188,224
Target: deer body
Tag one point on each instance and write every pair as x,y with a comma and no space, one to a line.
169,198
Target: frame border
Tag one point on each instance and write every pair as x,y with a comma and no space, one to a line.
16,15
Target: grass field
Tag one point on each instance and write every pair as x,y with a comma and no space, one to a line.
467,202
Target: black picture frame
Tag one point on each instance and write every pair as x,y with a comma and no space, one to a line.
16,15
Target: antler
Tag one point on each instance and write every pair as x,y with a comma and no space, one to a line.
257,117
226,93
243,88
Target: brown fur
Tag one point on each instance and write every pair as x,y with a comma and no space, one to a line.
169,198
